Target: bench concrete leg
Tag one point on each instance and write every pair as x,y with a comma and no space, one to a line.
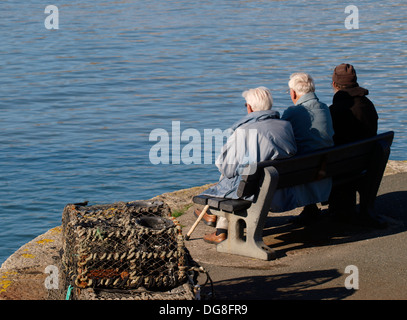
245,245
374,177
251,244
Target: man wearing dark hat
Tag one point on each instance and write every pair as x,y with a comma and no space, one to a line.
354,117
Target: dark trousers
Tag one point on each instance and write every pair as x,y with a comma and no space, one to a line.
342,201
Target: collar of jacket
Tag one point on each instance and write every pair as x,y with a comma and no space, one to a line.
355,91
306,97
256,116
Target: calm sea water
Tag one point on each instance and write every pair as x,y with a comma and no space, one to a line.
77,104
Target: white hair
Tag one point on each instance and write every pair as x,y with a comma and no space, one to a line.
259,99
301,83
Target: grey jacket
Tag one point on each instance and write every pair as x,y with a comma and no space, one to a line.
311,122
259,136
313,130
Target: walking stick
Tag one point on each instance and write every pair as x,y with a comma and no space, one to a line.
196,222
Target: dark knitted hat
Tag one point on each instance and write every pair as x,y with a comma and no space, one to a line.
345,75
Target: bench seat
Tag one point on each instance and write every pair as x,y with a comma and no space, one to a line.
227,205
362,162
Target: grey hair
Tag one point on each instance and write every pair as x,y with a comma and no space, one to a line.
259,98
301,83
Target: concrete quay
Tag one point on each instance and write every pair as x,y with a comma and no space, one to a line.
317,262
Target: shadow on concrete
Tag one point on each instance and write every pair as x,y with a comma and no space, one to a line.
286,238
290,286
283,236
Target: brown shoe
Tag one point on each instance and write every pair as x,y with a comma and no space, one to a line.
212,238
208,219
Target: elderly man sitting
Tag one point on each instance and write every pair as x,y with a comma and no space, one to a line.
260,135
313,130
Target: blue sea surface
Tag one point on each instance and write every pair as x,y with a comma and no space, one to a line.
78,103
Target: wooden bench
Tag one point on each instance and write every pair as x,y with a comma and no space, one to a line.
362,162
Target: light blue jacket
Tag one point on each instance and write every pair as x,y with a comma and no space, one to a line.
312,123
313,130
259,136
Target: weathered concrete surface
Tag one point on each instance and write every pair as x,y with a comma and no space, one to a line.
22,275
394,167
311,261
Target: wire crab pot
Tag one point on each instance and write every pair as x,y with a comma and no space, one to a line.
134,249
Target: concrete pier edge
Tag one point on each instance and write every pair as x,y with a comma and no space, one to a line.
23,274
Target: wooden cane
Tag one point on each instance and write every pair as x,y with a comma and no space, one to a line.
196,222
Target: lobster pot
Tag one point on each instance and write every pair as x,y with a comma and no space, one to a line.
135,245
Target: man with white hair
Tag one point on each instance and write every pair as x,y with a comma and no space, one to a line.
260,135
313,130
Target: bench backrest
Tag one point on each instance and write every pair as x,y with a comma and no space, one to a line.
352,158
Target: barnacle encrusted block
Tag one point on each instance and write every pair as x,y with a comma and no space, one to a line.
123,246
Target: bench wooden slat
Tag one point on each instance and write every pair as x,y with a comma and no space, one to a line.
200,199
302,169
228,205
216,202
235,205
